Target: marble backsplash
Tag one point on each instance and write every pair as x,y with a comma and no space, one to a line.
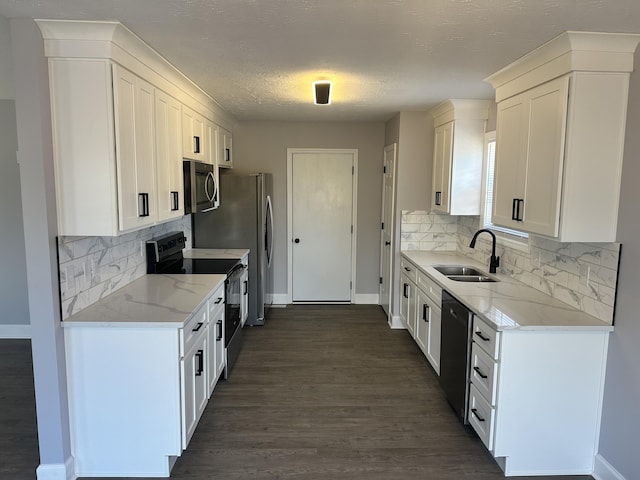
93,267
424,231
579,274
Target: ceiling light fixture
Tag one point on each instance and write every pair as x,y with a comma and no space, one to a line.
322,92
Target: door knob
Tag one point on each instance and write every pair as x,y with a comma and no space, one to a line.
387,243
297,240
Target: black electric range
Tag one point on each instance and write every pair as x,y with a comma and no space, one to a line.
165,256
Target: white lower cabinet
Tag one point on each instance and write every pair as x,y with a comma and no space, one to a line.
215,335
136,393
420,310
244,301
535,397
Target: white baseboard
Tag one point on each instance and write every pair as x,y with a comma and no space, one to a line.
366,299
56,471
396,323
602,470
280,299
15,331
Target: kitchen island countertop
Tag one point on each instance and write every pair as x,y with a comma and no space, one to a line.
508,303
159,300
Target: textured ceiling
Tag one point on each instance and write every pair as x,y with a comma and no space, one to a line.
257,58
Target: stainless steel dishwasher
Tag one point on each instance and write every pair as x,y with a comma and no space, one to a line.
455,353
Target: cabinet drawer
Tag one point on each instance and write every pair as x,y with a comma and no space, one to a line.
216,304
481,417
483,373
486,337
193,329
430,287
409,269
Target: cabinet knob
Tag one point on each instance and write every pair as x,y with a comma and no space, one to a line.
297,240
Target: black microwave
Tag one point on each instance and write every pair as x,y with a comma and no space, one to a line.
200,187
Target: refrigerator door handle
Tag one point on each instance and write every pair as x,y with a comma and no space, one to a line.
269,247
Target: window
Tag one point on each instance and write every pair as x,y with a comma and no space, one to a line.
485,217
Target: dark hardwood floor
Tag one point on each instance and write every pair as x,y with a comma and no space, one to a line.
330,392
18,432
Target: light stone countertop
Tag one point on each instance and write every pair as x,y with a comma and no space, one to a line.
215,253
507,304
156,300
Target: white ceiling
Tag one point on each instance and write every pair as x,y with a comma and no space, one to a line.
257,58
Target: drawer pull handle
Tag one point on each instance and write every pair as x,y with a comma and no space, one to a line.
482,337
479,372
218,300
425,315
200,356
198,326
475,414
219,324
407,269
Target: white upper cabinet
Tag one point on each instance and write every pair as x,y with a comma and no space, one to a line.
211,135
560,135
457,156
135,157
531,129
169,156
225,155
117,120
193,136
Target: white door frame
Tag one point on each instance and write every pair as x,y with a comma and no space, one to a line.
354,212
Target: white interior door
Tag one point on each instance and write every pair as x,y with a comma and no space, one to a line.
386,236
321,206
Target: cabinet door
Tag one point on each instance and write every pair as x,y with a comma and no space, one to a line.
211,147
168,115
244,302
423,312
193,135
404,299
221,359
194,375
433,337
442,160
135,149
216,345
545,154
225,156
511,156
188,374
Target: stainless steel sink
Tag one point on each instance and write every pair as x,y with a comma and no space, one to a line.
457,270
464,273
471,278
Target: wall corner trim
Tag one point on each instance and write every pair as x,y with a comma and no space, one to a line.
603,470
396,323
56,471
15,331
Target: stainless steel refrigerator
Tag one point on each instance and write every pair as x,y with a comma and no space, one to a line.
243,220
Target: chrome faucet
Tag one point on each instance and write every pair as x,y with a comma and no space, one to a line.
494,262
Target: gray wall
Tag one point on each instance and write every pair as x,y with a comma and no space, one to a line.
14,308
33,114
620,418
262,147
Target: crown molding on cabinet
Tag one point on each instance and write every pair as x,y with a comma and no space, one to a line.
453,108
112,40
568,52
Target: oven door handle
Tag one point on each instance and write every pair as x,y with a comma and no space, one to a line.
235,271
